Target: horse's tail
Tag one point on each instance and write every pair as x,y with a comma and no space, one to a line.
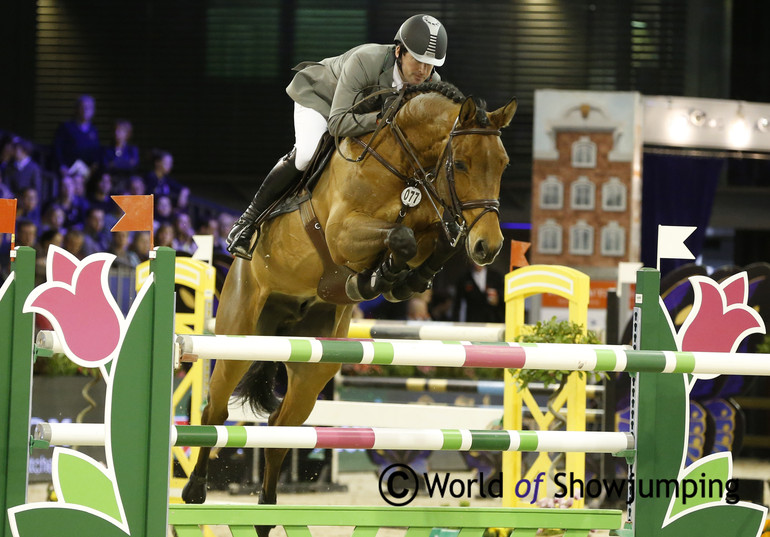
257,388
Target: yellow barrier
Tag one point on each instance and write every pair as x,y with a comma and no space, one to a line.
519,285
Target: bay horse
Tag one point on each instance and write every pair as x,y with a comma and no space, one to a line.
386,226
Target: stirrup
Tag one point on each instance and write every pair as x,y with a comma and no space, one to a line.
239,250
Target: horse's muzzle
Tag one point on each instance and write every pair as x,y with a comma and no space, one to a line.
482,253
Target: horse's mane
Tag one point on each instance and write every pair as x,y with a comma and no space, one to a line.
451,92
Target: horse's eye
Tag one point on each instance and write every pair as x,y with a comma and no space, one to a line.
461,166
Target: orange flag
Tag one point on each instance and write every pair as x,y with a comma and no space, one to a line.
138,211
7,215
518,249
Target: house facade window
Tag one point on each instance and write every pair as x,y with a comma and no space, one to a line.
614,194
613,240
549,238
582,194
551,193
581,239
584,153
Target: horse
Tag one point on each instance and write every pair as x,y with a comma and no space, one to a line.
377,223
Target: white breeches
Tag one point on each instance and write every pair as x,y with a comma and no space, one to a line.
309,127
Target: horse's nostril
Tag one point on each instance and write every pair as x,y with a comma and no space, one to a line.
480,249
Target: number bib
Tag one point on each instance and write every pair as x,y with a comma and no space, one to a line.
411,196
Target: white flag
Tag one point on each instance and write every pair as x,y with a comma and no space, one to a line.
671,242
205,250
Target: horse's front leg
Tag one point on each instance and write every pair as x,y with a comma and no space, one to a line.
358,240
419,278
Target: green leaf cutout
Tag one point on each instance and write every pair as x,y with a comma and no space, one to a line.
83,481
67,522
703,483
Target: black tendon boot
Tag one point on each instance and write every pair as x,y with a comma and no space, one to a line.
282,177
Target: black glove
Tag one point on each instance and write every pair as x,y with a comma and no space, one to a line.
389,102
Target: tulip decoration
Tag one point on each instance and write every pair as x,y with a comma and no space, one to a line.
719,321
720,318
76,299
120,497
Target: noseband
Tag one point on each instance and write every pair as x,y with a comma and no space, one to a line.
454,207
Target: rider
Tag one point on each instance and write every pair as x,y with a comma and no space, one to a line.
323,93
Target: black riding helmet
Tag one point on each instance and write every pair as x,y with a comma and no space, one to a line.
425,39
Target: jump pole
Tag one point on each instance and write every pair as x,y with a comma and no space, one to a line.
547,356
396,438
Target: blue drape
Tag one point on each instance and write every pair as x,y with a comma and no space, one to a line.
677,191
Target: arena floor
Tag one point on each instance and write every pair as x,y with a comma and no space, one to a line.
362,489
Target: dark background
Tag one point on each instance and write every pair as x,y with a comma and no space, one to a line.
205,79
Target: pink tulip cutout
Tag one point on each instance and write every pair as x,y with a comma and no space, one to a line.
720,318
76,299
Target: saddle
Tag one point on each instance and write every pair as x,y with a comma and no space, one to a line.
301,192
331,287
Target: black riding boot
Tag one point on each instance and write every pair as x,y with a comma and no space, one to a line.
282,177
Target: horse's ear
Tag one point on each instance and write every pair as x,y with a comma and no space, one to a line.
467,111
502,117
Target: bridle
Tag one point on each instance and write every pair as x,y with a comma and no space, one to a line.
453,222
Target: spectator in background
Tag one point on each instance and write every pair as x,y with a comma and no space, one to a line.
77,139
27,206
417,307
74,206
47,238
23,172
440,305
119,246
164,210
140,245
99,192
225,223
159,180
209,227
479,296
121,159
26,233
136,186
96,237
164,236
74,242
80,179
183,232
5,192
7,150
53,219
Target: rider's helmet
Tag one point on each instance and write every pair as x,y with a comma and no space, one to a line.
425,39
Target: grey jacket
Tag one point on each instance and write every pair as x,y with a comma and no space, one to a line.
333,85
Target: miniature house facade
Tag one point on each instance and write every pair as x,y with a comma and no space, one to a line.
586,178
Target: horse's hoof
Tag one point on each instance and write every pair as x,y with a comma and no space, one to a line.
194,490
402,243
399,293
264,531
